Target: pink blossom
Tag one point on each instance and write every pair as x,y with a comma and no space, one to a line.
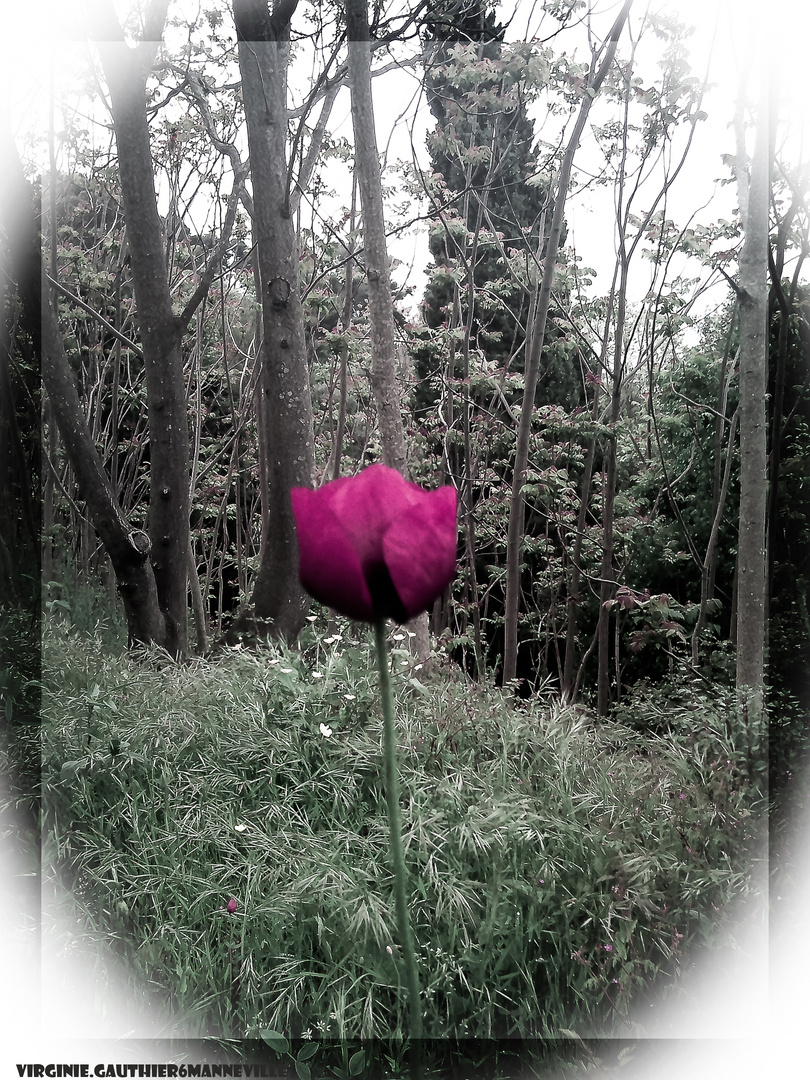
374,545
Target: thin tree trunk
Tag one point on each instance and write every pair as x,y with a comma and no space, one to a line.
516,504
348,302
569,685
574,593
754,200
711,548
722,400
606,573
380,302
197,605
260,411
125,71
279,602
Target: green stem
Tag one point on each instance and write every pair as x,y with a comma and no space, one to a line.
395,831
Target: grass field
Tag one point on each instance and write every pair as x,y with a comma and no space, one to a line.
561,869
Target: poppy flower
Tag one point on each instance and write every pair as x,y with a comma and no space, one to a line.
374,545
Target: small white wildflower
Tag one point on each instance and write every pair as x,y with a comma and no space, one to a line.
410,633
285,670
326,731
404,663
399,637
350,697
312,618
331,640
317,674
240,828
275,660
306,1034
418,667
389,950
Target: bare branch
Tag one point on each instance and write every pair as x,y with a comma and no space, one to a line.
218,253
96,315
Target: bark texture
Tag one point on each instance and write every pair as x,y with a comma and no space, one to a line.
375,250
126,71
384,383
279,603
753,281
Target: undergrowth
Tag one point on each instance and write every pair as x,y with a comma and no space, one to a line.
560,868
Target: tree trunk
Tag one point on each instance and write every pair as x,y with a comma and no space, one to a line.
722,401
575,575
606,573
380,303
516,504
754,203
128,548
337,452
126,71
706,576
279,602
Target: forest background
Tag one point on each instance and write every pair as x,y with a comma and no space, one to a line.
605,567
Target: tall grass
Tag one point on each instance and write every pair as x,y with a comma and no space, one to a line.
559,867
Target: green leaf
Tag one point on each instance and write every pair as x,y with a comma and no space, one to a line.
357,1063
303,1069
569,1034
308,1050
276,1041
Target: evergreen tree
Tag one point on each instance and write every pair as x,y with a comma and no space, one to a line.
489,201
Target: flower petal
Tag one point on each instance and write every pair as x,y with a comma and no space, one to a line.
365,505
329,565
420,548
375,545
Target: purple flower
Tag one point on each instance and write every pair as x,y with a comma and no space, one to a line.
374,545
232,905
608,948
